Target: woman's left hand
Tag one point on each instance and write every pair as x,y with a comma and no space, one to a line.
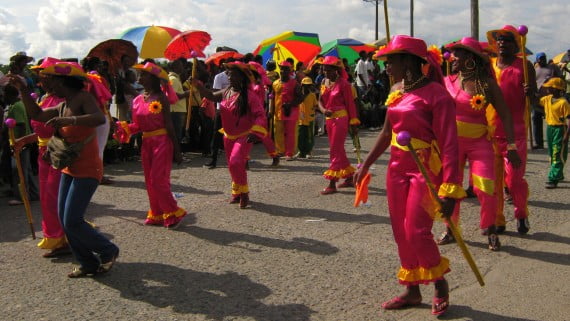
447,206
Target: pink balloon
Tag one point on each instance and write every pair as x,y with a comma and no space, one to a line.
403,138
523,30
10,122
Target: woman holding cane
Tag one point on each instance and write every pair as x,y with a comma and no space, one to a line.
421,106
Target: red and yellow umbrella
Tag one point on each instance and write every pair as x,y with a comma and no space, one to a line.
151,41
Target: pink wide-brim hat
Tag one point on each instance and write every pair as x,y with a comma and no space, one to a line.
46,62
261,71
507,30
64,68
402,44
153,69
471,45
243,67
285,63
332,61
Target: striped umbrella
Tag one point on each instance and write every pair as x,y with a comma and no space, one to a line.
151,41
345,48
300,46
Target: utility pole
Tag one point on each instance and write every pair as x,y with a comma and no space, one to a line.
376,2
475,19
411,18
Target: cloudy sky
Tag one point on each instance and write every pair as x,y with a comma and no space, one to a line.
69,28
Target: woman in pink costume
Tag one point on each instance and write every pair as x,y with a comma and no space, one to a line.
151,115
473,87
261,81
423,108
243,122
337,104
49,177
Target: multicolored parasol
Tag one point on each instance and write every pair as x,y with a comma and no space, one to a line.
300,46
346,48
151,41
187,44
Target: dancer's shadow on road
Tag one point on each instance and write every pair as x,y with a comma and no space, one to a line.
216,296
227,238
465,312
277,210
550,205
549,257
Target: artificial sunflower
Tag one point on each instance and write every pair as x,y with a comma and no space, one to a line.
155,107
478,102
394,98
436,53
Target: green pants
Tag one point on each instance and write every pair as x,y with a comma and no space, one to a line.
306,139
558,152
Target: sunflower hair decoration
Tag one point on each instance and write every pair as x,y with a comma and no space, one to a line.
478,102
394,98
155,107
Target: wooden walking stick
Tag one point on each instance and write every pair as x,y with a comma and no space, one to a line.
523,30
11,123
405,139
356,140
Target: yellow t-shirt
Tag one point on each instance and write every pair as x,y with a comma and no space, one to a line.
307,109
556,110
180,105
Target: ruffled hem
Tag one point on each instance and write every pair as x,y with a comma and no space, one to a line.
52,243
165,218
239,189
421,275
451,190
331,174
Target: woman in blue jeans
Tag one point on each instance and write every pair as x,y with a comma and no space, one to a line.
75,121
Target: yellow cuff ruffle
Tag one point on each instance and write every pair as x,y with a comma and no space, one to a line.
451,190
423,275
355,121
338,174
162,217
238,189
52,243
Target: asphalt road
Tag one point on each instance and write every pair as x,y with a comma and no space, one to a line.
294,255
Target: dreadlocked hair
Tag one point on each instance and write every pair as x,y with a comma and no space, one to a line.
242,99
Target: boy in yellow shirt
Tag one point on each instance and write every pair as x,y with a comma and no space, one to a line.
557,112
306,130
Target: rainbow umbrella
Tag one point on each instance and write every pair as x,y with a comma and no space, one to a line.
300,46
346,48
151,41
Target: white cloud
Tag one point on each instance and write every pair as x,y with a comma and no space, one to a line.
71,27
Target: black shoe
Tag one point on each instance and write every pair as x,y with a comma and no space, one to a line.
494,243
275,161
210,165
501,229
551,185
523,226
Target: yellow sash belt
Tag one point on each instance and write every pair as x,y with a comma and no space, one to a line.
338,114
434,161
233,137
158,132
471,130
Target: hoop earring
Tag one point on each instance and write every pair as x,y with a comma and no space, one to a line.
409,76
470,64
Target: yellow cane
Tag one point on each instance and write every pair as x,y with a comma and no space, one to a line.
11,123
356,141
523,30
189,108
404,139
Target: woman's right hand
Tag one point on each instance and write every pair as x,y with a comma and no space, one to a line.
360,173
